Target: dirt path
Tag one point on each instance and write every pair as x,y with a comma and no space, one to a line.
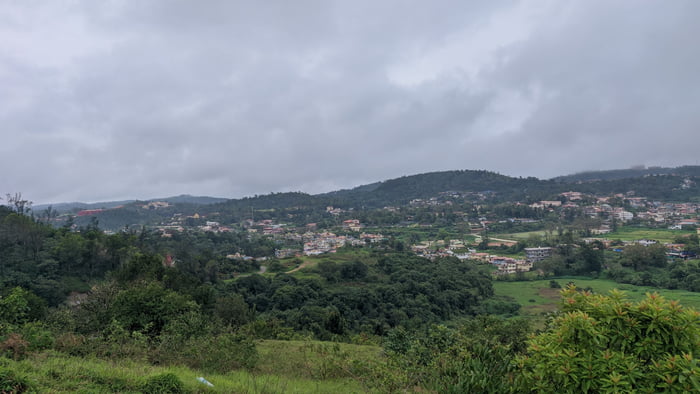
301,266
503,240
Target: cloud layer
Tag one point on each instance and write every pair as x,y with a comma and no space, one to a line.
115,99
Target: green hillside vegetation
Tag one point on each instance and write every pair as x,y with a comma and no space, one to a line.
401,190
306,368
151,310
300,208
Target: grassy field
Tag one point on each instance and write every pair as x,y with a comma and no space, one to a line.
308,359
520,236
284,367
536,297
659,234
623,233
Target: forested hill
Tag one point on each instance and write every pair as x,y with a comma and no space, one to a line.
608,175
400,191
678,184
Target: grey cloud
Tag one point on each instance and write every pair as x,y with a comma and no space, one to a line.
240,98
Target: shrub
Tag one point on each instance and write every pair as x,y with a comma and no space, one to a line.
165,383
608,344
11,382
216,353
38,336
14,346
73,344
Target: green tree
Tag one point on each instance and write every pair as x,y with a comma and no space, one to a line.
21,306
608,344
148,308
641,257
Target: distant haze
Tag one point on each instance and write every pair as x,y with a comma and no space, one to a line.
110,100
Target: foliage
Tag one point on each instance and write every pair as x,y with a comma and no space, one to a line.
222,352
14,346
165,383
574,259
606,343
474,357
149,307
641,257
21,306
12,382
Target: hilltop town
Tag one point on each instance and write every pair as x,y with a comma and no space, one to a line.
511,232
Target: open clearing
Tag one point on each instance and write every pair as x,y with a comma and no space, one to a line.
536,297
662,235
659,234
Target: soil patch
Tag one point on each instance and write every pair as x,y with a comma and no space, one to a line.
552,294
533,310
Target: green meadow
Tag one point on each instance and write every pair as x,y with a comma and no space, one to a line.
537,297
659,234
623,233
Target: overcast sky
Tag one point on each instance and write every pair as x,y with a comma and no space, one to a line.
104,100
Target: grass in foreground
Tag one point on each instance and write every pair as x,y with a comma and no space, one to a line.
285,367
309,359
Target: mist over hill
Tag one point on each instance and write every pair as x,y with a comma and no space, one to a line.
607,175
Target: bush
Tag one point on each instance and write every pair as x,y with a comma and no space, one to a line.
165,383
38,336
11,382
276,266
608,344
221,353
73,344
474,358
14,346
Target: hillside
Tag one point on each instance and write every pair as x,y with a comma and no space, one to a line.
76,206
608,175
665,184
401,190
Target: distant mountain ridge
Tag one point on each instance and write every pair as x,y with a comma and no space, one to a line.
607,175
181,199
654,182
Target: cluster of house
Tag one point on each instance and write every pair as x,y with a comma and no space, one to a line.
434,249
320,243
352,225
676,215
316,243
155,205
239,256
334,211
214,227
444,198
506,265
